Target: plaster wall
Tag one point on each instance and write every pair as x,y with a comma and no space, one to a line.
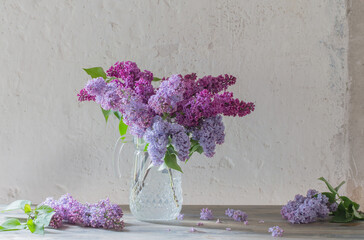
290,58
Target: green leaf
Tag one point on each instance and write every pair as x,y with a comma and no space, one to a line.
356,214
95,72
118,115
11,225
155,79
44,209
106,113
44,219
339,186
331,196
171,161
199,150
18,204
146,147
347,202
35,227
328,185
342,219
122,127
27,208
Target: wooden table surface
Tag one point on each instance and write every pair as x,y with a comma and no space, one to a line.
135,230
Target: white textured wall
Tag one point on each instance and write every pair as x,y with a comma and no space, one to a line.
290,58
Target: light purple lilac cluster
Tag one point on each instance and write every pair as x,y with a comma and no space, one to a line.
181,109
99,215
307,209
206,214
237,215
276,231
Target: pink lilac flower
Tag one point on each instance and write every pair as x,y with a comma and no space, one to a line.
229,212
144,89
239,216
210,133
157,137
206,214
180,216
276,231
168,95
85,96
306,209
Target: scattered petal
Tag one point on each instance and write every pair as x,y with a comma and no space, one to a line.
193,229
228,229
246,222
261,221
218,221
180,217
199,224
276,231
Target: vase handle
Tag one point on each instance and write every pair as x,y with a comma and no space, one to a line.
119,145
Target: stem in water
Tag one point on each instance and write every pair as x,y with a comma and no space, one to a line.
172,187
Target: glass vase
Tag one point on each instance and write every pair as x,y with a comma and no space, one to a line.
155,193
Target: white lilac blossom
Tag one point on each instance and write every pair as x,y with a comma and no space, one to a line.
276,231
206,214
307,209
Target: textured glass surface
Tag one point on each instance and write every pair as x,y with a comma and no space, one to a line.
153,196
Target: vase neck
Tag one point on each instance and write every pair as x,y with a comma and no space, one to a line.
139,143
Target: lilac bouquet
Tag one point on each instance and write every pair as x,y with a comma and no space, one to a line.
181,116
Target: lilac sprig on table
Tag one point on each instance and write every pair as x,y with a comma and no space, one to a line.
206,214
317,206
103,214
38,217
181,116
237,215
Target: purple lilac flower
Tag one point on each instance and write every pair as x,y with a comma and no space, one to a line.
229,212
170,92
276,231
157,137
216,84
106,94
180,141
180,216
56,221
199,224
144,89
85,96
96,86
127,71
103,214
210,133
306,209
206,214
239,216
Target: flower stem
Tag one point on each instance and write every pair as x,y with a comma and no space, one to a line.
172,187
